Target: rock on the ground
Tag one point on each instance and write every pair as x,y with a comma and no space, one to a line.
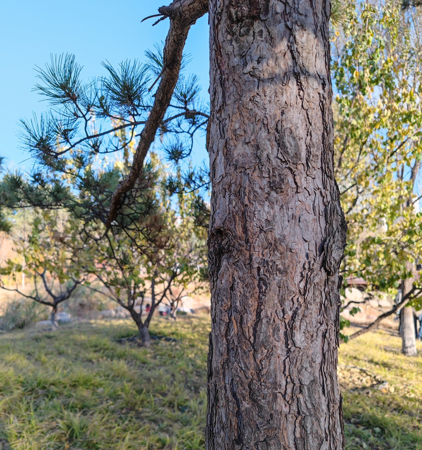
373,303
119,312
122,313
43,323
63,317
353,294
384,303
108,313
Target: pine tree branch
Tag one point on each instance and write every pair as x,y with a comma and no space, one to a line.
182,14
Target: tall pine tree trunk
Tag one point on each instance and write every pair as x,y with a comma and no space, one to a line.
277,231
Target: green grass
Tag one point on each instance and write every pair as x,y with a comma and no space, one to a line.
80,388
386,418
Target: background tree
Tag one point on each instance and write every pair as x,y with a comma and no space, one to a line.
139,271
50,260
5,225
378,124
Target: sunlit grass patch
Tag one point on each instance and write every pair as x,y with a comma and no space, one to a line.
80,388
86,387
389,416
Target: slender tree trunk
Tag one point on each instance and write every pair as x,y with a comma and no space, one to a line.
144,334
407,323
408,332
277,232
54,324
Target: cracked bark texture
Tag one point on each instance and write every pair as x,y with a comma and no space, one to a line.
277,232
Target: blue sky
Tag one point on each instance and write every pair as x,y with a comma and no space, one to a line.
94,31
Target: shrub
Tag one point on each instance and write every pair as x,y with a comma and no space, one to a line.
19,314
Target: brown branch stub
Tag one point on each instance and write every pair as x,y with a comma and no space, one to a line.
182,14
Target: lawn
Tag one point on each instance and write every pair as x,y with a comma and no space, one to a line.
387,415
89,386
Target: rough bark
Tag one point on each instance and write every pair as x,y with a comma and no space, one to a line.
277,232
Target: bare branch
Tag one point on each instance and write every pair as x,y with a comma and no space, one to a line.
30,297
352,302
46,287
350,187
374,325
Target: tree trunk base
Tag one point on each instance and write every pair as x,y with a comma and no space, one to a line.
145,336
54,324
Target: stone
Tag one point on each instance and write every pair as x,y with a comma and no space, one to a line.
63,317
122,313
373,303
385,303
108,313
43,323
353,294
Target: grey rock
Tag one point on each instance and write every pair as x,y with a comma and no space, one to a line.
63,317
